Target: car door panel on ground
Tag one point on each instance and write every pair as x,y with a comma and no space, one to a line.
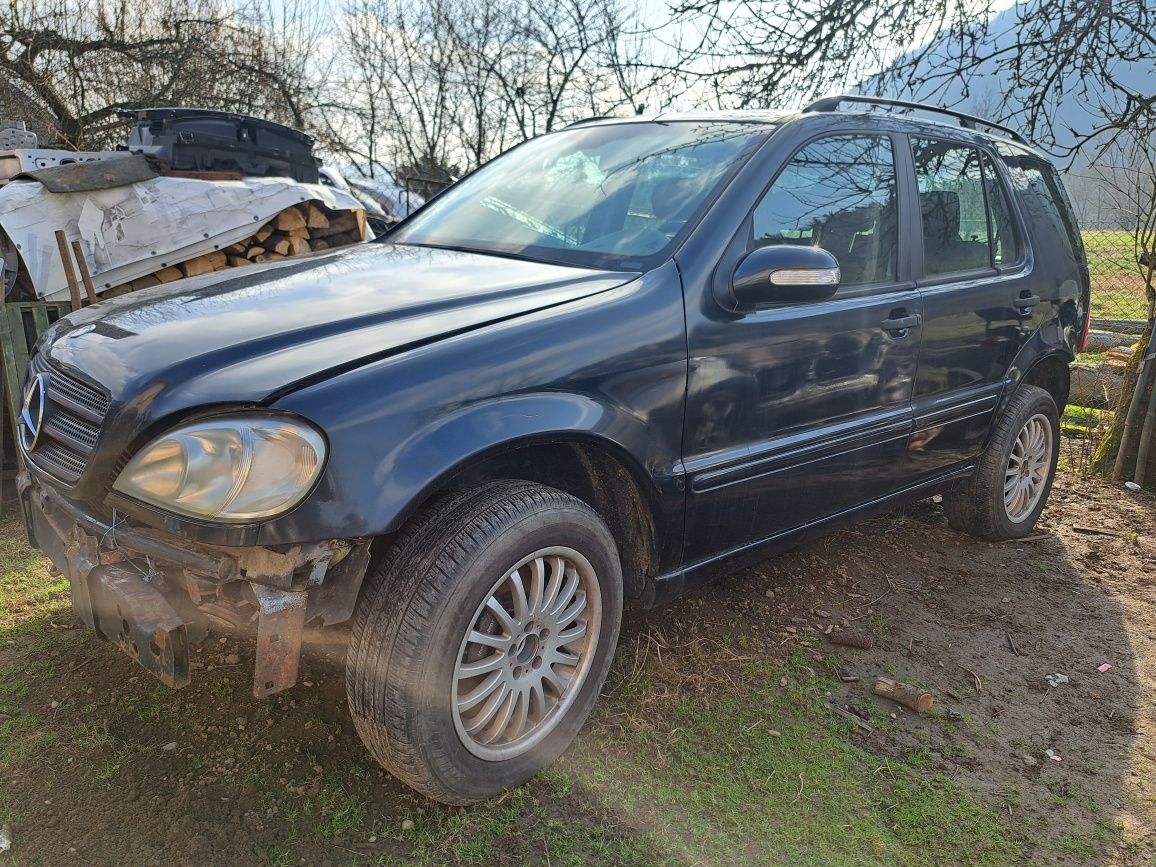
798,411
981,300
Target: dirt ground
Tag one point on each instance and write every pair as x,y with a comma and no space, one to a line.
732,730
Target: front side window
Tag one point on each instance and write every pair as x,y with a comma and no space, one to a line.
838,193
967,224
612,196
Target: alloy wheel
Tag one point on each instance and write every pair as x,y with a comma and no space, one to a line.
1026,475
525,654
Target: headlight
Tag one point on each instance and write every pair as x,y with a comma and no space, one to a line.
232,468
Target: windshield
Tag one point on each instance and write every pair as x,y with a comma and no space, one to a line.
612,196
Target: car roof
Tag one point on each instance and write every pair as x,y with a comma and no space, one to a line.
903,122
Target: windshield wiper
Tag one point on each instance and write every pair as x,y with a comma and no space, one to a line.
491,251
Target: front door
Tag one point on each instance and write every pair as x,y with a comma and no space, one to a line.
799,411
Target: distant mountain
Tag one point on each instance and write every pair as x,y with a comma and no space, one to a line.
987,92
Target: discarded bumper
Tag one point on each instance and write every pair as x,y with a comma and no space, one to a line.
151,594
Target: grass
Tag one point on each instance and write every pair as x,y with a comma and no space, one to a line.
29,642
764,773
725,755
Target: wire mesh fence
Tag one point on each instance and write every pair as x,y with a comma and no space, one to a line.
1120,309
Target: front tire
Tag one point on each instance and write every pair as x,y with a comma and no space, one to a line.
481,642
1003,499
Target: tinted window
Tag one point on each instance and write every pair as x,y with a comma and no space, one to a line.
1043,199
1004,248
952,207
837,193
604,196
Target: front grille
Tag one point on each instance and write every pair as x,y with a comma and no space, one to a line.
73,416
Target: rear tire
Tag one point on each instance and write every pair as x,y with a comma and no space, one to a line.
1003,499
515,581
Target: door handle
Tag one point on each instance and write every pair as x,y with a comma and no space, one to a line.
900,324
1027,301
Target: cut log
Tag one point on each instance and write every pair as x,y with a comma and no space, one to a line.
263,257
145,282
283,247
301,232
1095,385
168,275
320,244
237,261
344,222
908,696
851,638
290,218
237,249
315,218
196,267
254,252
299,246
263,233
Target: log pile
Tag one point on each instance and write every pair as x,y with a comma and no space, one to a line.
305,228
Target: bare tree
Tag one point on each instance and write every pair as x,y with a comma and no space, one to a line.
444,85
402,67
776,53
78,65
780,53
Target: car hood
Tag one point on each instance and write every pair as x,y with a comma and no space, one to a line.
248,335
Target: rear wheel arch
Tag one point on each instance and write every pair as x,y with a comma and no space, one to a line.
1053,374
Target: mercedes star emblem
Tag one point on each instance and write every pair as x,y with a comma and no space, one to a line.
32,413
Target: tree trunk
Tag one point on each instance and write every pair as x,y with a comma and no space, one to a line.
1105,456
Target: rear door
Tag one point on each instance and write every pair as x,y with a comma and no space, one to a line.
799,411
981,300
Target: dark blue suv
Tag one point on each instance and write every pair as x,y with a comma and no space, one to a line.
614,361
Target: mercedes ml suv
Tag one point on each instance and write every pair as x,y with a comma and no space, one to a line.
616,360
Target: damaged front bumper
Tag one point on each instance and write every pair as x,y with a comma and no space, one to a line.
152,594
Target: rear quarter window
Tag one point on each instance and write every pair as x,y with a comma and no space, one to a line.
1045,204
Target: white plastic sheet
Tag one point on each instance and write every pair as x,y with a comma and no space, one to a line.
131,231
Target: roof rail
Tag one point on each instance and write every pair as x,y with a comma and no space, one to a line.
967,121
591,120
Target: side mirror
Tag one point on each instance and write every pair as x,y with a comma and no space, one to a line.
785,274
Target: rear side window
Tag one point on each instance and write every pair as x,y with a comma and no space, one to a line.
1044,199
967,223
1005,248
838,193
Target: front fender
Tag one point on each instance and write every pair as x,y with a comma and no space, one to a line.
433,455
610,370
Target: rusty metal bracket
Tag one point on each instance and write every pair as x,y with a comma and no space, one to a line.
137,618
279,630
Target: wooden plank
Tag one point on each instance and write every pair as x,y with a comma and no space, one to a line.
69,271
40,318
21,323
85,275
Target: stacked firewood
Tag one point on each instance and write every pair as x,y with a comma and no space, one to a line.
301,229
